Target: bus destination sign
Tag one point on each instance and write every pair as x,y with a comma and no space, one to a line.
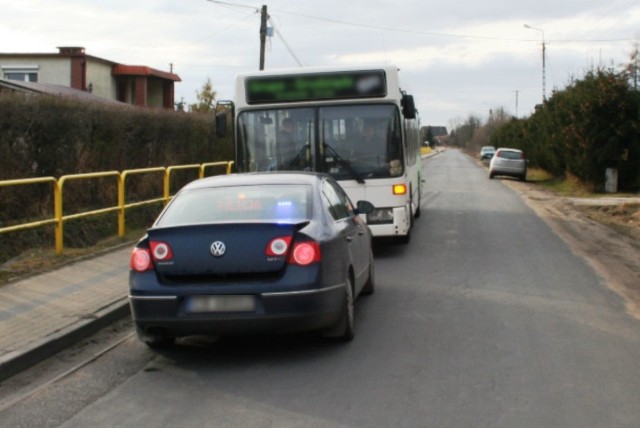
315,87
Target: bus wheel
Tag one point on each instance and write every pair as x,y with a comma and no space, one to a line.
404,239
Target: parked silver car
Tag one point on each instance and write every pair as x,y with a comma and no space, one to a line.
509,162
487,152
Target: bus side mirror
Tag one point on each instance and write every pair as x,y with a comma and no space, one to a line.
223,109
408,106
221,124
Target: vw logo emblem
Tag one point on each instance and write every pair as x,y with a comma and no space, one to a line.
218,248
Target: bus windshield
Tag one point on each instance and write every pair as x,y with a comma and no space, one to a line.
356,141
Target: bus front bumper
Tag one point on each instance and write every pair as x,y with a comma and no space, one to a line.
389,222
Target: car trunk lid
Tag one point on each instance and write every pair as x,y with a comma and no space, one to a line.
221,249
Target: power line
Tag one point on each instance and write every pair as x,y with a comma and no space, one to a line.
210,36
391,29
438,34
284,42
418,32
224,3
265,16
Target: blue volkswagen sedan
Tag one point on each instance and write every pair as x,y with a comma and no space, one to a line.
251,254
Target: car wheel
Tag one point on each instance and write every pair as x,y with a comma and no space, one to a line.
491,175
156,340
369,286
523,177
343,330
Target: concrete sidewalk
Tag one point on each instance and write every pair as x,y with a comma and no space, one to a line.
43,314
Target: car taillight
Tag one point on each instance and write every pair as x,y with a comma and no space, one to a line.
140,260
305,253
161,251
278,246
302,253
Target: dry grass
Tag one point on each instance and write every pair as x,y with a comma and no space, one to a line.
624,218
39,260
568,186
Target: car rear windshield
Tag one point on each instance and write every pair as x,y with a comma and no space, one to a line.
509,154
262,203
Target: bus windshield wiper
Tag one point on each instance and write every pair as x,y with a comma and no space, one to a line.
344,163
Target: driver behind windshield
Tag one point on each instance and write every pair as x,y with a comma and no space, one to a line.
370,144
287,145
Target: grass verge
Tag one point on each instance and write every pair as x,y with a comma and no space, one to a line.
39,260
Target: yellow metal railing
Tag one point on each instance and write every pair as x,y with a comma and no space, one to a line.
28,181
121,206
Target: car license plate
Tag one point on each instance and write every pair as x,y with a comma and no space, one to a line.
198,304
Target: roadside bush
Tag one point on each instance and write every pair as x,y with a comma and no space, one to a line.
592,125
51,136
43,136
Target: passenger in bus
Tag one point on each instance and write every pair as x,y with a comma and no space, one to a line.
286,136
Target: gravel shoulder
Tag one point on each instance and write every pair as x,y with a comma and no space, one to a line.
605,231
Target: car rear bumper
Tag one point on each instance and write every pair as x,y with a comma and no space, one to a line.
511,171
274,312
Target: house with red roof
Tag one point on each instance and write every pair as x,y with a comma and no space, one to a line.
71,70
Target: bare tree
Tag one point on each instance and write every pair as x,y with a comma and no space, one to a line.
206,99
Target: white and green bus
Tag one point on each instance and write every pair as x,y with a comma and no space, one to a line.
355,124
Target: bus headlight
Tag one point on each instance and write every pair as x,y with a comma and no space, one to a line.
380,216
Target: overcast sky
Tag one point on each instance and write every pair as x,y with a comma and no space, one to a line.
457,57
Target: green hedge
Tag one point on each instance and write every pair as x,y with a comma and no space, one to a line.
592,125
50,136
43,136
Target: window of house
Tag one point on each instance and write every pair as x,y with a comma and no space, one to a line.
20,73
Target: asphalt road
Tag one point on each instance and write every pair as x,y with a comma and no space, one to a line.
485,319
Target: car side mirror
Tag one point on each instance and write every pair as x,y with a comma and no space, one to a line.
364,207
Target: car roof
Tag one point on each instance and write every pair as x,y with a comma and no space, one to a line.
509,149
258,178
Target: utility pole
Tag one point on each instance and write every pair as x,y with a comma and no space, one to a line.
633,74
544,62
516,103
544,70
263,33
